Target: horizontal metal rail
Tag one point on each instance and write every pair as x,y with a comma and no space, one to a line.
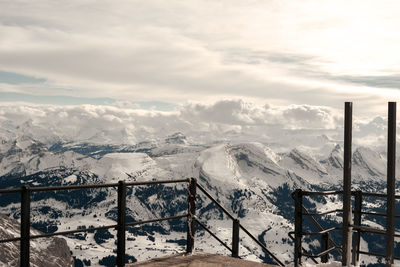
213,235
10,240
10,191
366,229
261,245
339,192
89,186
373,213
322,193
121,226
323,213
159,182
378,195
157,220
74,231
322,232
215,202
120,186
377,214
71,187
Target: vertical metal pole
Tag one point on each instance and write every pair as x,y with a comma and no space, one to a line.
346,235
324,247
357,222
121,224
191,224
298,226
391,168
235,238
25,226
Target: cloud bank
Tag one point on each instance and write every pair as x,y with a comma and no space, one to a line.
226,121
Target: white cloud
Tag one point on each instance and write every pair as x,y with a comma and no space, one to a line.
228,119
288,53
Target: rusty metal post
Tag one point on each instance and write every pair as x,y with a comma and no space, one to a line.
357,222
346,235
25,226
235,238
298,226
391,169
324,247
191,223
121,224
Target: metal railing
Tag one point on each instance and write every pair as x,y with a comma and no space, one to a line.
235,231
121,225
328,245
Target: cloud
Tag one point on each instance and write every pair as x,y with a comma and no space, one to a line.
282,127
304,116
202,50
123,125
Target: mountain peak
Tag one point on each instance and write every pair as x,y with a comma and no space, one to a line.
336,157
176,138
370,160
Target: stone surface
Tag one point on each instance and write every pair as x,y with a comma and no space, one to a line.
198,260
49,252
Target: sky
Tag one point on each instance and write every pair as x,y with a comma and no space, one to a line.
166,55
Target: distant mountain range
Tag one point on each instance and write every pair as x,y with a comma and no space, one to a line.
253,180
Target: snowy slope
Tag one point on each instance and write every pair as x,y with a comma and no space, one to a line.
252,180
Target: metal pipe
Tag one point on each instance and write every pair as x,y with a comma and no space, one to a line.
322,193
346,235
121,224
25,226
235,238
10,191
378,214
191,222
298,226
391,180
326,231
10,240
157,220
75,231
357,222
89,186
368,194
324,247
323,213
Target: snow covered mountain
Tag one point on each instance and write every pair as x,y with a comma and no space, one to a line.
252,180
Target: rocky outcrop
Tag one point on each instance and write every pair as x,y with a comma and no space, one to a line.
49,252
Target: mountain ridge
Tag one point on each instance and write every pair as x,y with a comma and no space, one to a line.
250,179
